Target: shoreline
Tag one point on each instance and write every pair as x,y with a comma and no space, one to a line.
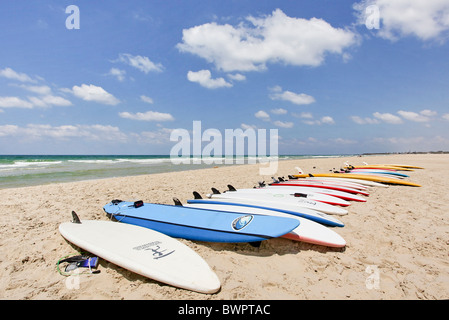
105,167
400,234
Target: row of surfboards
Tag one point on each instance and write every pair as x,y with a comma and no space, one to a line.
303,208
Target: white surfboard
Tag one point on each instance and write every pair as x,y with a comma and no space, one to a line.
322,184
307,231
281,206
345,184
143,251
277,194
292,189
363,182
299,203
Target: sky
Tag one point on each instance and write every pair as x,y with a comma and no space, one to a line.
117,77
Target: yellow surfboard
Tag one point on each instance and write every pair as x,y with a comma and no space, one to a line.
360,176
406,166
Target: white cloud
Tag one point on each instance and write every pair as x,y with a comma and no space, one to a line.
423,116
46,99
146,99
428,113
387,117
119,74
143,64
262,115
15,102
245,126
274,38
413,116
327,120
96,132
296,98
147,116
401,140
283,124
49,100
8,130
303,115
323,120
309,119
424,19
89,132
278,111
237,77
343,141
13,75
37,89
311,122
204,78
159,136
446,116
366,120
93,93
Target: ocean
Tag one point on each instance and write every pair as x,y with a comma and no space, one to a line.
30,170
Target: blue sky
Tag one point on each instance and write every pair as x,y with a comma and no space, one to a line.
315,70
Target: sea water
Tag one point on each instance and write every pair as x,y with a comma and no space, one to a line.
29,170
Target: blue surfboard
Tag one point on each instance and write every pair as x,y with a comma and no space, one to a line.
391,173
200,224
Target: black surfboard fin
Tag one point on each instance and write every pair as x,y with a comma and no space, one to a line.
255,244
177,202
75,217
300,195
196,195
231,188
215,191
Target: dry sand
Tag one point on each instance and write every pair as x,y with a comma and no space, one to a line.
397,242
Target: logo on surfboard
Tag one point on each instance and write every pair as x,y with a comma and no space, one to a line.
155,248
241,222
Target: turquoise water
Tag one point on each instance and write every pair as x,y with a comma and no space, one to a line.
29,170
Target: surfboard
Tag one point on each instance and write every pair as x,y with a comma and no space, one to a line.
330,192
305,189
402,166
145,252
378,167
319,184
366,183
296,206
287,206
307,231
278,193
352,184
195,224
361,177
380,174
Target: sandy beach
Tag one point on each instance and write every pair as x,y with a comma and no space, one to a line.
397,241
